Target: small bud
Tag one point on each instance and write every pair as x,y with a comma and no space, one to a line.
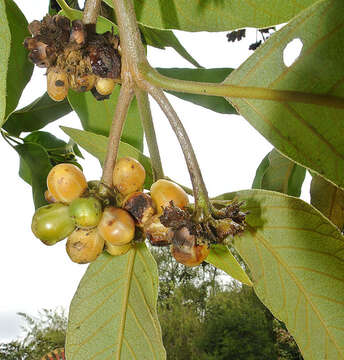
57,84
140,206
105,86
78,33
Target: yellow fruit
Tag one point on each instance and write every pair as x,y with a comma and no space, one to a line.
57,84
116,226
116,250
84,246
105,86
128,175
164,191
66,182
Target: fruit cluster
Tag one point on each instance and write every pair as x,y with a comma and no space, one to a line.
75,56
93,223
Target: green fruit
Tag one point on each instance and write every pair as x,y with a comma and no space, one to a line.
86,212
52,223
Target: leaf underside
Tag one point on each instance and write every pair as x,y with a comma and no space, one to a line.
113,313
310,135
296,258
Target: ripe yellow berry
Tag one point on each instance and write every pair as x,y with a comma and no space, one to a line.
116,250
66,182
116,226
57,84
164,191
128,175
84,246
105,86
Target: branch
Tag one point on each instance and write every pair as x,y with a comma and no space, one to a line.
148,127
234,91
123,102
91,12
202,203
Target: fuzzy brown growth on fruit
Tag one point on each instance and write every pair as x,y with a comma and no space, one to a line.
140,206
187,249
157,233
81,54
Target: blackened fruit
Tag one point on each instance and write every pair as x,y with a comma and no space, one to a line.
66,182
84,246
187,249
140,206
164,191
128,175
86,212
52,223
116,226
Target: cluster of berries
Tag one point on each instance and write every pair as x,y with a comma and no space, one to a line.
75,56
93,224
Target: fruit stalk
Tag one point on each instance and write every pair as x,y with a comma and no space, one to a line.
91,11
124,99
148,127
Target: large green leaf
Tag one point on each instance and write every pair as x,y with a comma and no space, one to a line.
328,199
97,145
166,38
278,173
215,15
36,168
113,313
215,75
5,48
13,58
310,135
222,258
296,260
96,116
36,115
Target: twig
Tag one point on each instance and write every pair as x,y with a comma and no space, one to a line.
148,127
91,12
124,100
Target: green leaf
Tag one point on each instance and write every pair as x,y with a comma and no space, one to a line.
13,58
296,260
215,75
35,169
166,38
310,135
278,173
328,199
96,116
35,116
113,313
97,145
5,48
215,15
102,25
223,259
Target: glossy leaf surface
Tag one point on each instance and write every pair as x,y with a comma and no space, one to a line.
311,135
113,313
296,259
215,15
97,145
36,115
278,173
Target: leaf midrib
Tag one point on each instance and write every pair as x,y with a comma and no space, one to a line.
129,272
297,282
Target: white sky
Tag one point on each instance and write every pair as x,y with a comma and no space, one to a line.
34,276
